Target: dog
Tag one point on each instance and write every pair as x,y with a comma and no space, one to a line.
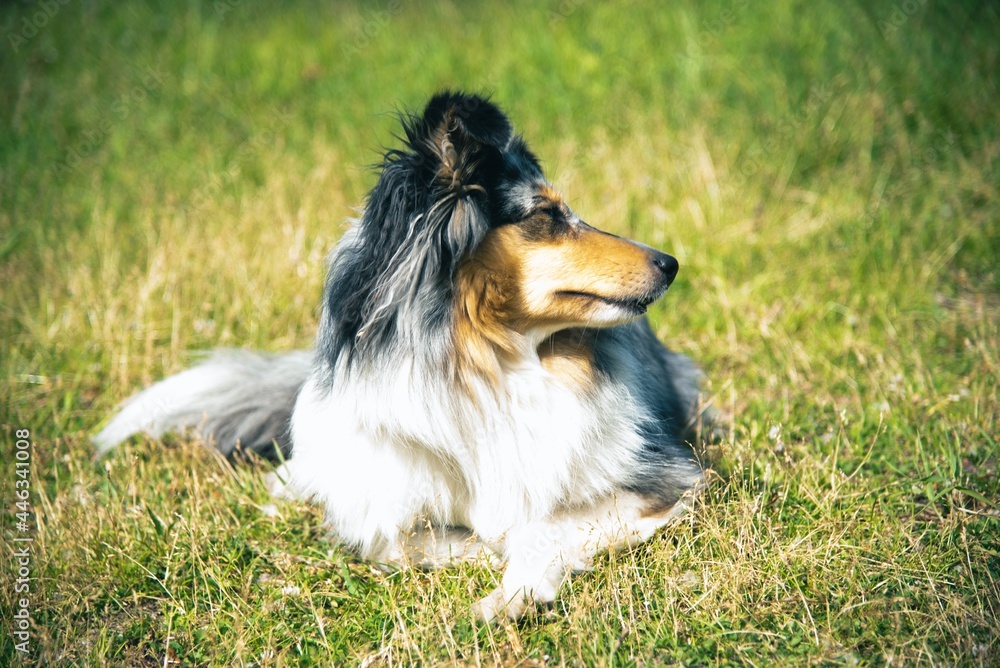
484,381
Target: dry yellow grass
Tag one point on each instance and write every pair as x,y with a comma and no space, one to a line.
830,191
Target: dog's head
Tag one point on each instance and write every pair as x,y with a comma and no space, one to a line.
463,234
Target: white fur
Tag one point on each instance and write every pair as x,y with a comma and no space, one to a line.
390,451
152,411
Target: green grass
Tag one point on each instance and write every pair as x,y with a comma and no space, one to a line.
828,180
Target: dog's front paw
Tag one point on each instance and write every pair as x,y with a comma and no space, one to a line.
498,604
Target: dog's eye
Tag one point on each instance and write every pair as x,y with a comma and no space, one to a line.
555,213
559,223
545,222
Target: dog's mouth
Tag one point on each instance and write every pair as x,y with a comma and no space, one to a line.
633,306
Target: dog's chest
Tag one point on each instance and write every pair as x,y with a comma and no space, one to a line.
534,441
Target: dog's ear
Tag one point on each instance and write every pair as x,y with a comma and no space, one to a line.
428,211
455,132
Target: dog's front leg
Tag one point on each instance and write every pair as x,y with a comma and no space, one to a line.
541,554
536,566
431,548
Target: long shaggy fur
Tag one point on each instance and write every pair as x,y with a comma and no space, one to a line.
483,381
242,400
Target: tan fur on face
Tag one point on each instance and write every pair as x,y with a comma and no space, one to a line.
565,277
569,356
551,194
486,290
531,281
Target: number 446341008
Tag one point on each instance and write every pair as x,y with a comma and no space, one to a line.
22,456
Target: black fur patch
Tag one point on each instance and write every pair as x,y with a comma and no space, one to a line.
666,466
433,204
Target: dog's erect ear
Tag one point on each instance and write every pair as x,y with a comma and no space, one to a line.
453,132
468,118
427,212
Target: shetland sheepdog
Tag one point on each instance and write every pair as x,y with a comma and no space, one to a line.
484,382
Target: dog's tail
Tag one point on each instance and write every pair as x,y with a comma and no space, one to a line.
241,400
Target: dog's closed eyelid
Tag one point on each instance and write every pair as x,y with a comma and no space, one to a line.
540,210
559,219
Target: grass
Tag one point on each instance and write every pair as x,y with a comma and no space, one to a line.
173,174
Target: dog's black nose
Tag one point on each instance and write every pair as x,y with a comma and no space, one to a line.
667,264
